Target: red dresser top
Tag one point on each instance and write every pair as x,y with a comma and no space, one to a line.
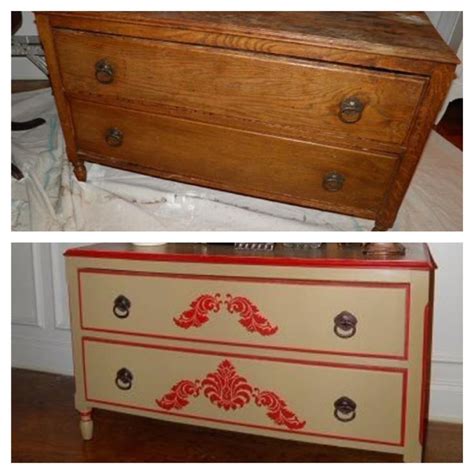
329,255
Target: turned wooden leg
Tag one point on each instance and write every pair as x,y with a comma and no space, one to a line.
87,425
80,170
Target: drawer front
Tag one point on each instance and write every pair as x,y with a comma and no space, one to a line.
349,318
245,162
303,95
262,393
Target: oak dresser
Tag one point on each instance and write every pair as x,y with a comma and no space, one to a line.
325,345
329,110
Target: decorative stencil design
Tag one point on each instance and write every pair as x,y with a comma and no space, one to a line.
198,314
228,390
250,316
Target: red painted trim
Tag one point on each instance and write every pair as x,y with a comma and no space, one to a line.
245,356
429,257
401,371
425,379
247,425
86,416
300,282
406,345
404,408
248,259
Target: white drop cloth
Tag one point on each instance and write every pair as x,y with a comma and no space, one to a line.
50,198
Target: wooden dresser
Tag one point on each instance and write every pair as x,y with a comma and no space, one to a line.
325,346
329,110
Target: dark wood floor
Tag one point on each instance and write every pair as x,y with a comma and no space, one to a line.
45,429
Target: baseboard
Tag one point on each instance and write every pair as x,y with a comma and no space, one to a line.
44,355
446,402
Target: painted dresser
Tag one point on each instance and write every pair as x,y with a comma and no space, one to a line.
329,110
324,345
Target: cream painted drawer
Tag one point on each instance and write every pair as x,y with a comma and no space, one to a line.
315,400
349,318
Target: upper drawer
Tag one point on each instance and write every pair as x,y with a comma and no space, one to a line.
302,95
349,318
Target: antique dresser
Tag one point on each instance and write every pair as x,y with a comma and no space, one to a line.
325,345
329,110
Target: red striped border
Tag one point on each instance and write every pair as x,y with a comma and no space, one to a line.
426,374
405,286
402,371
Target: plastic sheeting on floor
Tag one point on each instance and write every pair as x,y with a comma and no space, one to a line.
50,198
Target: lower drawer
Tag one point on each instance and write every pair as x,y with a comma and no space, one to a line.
250,163
262,393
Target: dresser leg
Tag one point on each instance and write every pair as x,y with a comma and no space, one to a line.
379,227
80,170
87,425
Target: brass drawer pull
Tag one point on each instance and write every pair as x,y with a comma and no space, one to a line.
333,181
122,307
345,325
345,409
350,110
124,379
114,137
104,72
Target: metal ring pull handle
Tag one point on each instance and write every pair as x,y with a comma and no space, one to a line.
114,137
104,72
124,379
350,110
345,409
345,325
122,307
333,181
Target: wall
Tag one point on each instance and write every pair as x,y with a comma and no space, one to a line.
449,24
41,337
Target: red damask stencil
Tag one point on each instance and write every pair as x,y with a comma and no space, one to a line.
225,388
278,411
250,316
177,397
198,314
228,390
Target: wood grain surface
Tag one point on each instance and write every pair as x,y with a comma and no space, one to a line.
405,34
293,93
224,158
275,73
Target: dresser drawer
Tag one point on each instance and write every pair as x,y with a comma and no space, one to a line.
262,393
349,318
302,95
239,161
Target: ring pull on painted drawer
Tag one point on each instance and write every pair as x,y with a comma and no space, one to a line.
345,409
345,325
124,379
122,307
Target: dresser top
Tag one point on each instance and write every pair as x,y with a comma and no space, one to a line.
329,255
401,34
